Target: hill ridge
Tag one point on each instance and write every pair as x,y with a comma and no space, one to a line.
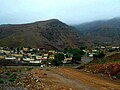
51,34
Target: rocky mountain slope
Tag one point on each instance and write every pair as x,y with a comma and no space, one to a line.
50,34
104,31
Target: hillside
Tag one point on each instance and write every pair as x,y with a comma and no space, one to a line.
102,32
50,34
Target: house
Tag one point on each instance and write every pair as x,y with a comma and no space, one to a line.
7,52
45,55
51,57
17,55
94,51
1,48
35,62
2,57
115,47
1,51
10,58
38,57
28,59
102,47
29,54
25,49
44,58
90,55
51,52
67,60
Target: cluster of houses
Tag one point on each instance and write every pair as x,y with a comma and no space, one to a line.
104,49
29,55
89,56
43,56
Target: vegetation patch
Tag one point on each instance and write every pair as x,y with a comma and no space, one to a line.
118,76
12,77
8,75
1,80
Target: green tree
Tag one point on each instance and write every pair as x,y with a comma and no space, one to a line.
67,56
59,57
76,58
83,47
77,54
56,62
99,55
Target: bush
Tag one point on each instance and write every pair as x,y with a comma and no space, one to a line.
76,58
99,55
29,68
1,80
12,77
7,73
56,62
118,76
59,57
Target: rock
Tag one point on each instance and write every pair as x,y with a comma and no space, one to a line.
87,71
45,74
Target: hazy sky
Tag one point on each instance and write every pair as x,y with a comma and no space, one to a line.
68,11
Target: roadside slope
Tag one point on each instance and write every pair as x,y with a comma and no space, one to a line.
90,80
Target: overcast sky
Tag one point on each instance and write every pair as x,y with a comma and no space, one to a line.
68,11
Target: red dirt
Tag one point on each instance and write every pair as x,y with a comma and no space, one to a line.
66,79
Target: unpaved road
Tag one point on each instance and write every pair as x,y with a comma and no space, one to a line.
62,78
72,79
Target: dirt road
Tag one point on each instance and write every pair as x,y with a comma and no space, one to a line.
71,79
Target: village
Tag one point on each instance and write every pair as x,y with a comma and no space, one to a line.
43,57
39,69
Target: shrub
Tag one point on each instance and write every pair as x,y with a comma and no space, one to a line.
12,77
56,62
1,80
118,76
7,73
59,57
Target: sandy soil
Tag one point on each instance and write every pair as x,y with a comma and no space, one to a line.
63,78
71,79
90,82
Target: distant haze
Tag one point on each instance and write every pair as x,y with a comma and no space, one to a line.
68,11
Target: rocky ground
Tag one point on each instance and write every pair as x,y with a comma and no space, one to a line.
54,78
111,70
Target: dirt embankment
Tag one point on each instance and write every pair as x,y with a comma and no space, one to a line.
68,79
93,81
111,70
63,79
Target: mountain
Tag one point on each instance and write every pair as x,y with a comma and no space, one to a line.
101,32
49,34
